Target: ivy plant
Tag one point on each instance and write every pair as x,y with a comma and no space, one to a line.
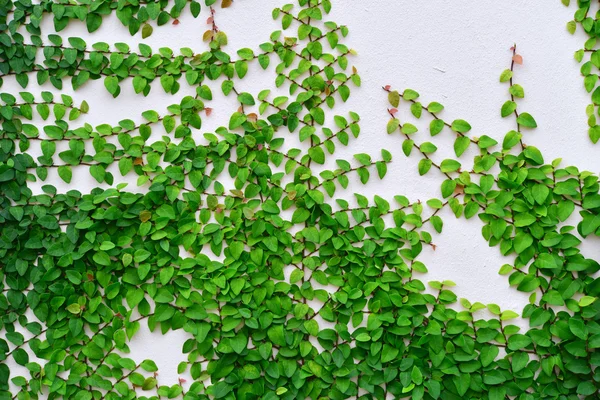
589,57
243,239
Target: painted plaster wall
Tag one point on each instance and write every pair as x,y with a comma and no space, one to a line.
450,51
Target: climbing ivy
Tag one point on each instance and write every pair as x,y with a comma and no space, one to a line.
526,206
589,57
134,14
243,238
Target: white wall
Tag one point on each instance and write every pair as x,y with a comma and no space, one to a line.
450,51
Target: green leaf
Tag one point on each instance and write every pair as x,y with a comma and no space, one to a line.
508,108
522,242
296,276
74,308
534,155
436,126
586,301
508,315
111,83
276,335
589,224
221,389
540,193
461,126
246,54
578,328
93,22
149,365
424,166
410,94
526,120
506,75
594,133
236,120
317,154
517,91
149,383
246,99
461,144
518,342
416,376
449,165
389,353
146,31
65,173
394,98
102,258
435,107
393,125
364,159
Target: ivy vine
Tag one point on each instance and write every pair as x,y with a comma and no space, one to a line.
589,57
241,238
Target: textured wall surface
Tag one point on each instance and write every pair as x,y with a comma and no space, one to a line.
449,51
